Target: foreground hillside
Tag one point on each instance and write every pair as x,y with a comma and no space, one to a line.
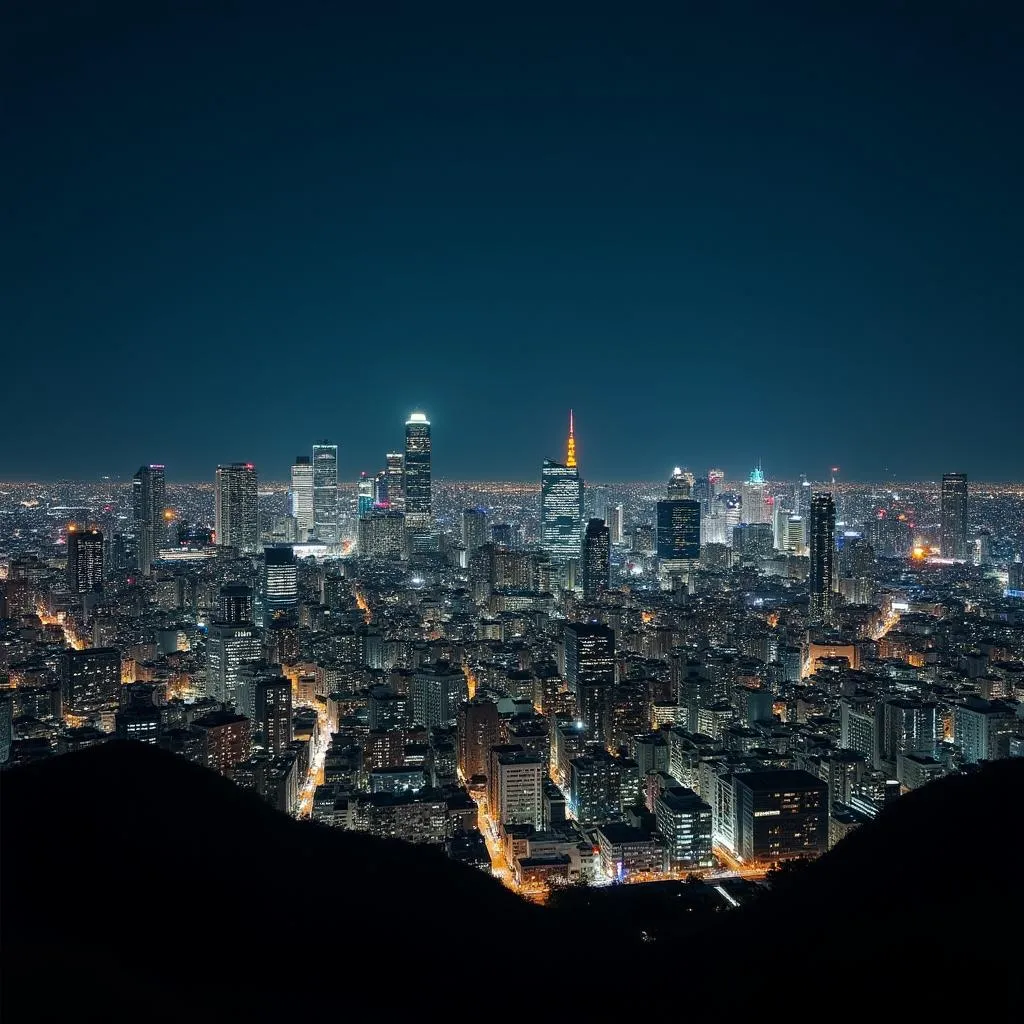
132,875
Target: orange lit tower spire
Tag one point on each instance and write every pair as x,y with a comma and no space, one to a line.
570,458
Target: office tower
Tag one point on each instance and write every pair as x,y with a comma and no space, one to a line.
589,652
780,815
234,604
519,785
677,536
149,500
395,475
85,559
983,729
139,722
229,646
780,518
502,535
680,485
596,559
822,545
601,786
274,713
795,537
684,819
381,534
437,690
326,524
562,506
615,520
599,502
716,481
953,538
302,496
418,506
90,679
474,528
364,494
280,580
755,508
236,507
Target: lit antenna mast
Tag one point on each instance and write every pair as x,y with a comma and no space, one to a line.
570,458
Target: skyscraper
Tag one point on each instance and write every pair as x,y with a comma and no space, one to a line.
395,475
596,559
822,545
364,494
325,493
228,648
236,507
680,485
953,538
615,522
474,528
678,537
302,496
149,499
755,509
280,580
85,559
418,517
562,506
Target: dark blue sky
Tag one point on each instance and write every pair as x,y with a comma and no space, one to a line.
784,234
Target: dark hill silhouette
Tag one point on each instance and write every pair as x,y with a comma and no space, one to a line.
131,875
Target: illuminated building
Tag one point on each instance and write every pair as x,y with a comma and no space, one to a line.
562,506
302,496
364,494
953,523
139,722
381,534
680,485
274,712
417,474
596,559
754,507
149,499
437,689
678,536
326,525
474,528
601,787
684,821
795,537
90,679
394,474
982,729
85,559
589,654
615,521
626,850
227,740
518,785
822,545
598,496
752,540
502,535
228,647
478,729
280,580
780,815
236,507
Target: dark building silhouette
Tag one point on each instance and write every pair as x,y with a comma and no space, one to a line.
953,521
596,559
274,712
149,500
478,729
90,679
417,474
823,553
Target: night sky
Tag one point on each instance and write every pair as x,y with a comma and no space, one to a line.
790,236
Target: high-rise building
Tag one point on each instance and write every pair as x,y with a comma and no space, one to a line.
326,525
680,485
418,504
364,494
823,553
149,500
754,507
234,604
562,506
478,729
474,528
228,648
381,534
678,531
274,712
519,785
684,819
953,526
90,679
983,729
237,507
395,475
280,580
437,690
596,559
227,740
615,521
85,559
302,496
780,815
589,653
